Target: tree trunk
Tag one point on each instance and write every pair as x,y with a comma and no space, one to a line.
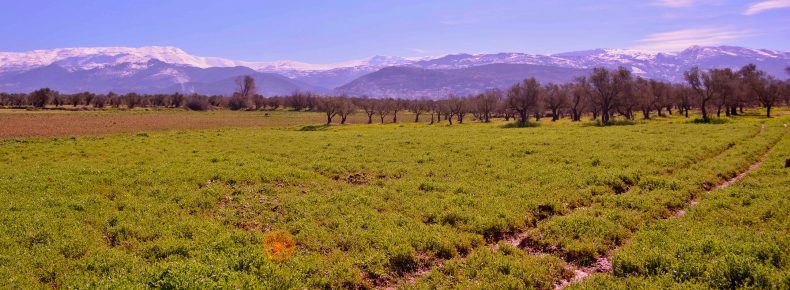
417,118
704,111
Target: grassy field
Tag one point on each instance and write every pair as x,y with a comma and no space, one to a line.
283,205
738,237
15,123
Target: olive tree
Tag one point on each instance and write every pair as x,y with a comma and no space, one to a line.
523,97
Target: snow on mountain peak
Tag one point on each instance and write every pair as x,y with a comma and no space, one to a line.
92,57
648,62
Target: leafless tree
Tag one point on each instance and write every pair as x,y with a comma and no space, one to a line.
245,86
445,110
369,106
274,102
418,107
486,103
384,108
330,106
242,98
258,102
347,108
397,105
459,106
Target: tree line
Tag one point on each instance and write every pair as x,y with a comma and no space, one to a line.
602,94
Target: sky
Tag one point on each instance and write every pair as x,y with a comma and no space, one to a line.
334,31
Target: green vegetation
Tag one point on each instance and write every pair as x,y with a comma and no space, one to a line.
738,237
371,205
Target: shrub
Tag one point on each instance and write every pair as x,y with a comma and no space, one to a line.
625,122
710,121
402,260
198,104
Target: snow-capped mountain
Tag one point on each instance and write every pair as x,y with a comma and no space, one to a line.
661,65
159,69
96,57
460,73
153,76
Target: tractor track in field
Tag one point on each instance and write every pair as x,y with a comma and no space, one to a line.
602,264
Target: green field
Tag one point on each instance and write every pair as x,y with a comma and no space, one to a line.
399,205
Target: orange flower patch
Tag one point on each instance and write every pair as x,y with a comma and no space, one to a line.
279,245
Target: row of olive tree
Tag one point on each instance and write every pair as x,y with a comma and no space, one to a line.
47,97
602,94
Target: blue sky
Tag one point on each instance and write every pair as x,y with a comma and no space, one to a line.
332,31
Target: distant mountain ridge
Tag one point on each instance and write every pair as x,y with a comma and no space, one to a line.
153,76
415,82
167,69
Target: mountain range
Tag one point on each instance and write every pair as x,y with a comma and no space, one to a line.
168,69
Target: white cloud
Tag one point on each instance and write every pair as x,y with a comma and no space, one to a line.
681,39
674,3
766,5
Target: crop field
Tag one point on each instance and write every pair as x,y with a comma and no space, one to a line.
240,200
48,123
52,123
